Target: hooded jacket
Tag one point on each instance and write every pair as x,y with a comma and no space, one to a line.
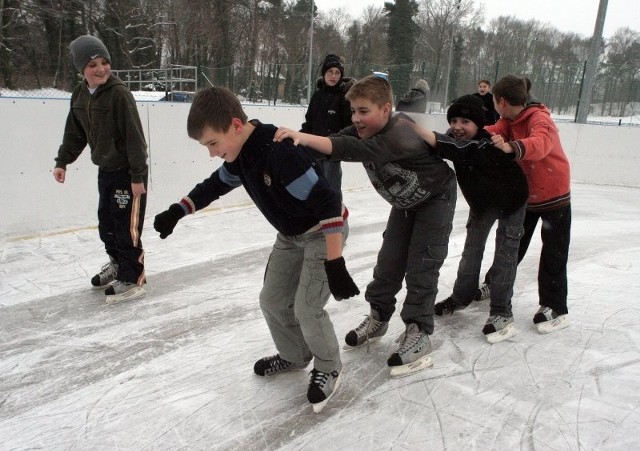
108,122
536,143
329,111
488,178
401,166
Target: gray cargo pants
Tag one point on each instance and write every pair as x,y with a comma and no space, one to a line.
293,298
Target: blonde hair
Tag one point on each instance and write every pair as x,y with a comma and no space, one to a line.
373,88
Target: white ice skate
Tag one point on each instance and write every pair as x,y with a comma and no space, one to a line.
547,320
322,386
499,328
413,355
123,291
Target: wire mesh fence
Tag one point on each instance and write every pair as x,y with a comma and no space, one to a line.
615,97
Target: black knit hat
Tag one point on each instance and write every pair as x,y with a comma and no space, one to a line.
469,107
330,61
85,48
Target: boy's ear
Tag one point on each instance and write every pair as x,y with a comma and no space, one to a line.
237,124
387,108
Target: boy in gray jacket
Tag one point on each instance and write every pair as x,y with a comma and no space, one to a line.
421,189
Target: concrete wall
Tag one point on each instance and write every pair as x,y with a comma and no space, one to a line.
32,203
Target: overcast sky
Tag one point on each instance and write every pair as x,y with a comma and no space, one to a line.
567,15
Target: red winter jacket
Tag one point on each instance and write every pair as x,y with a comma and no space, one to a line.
536,143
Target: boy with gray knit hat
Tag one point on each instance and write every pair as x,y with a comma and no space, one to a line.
103,114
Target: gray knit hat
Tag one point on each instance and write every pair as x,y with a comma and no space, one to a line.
85,48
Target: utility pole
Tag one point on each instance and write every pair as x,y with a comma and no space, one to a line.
595,49
310,81
446,85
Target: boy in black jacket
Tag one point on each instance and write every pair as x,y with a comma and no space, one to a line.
311,223
496,190
421,188
329,112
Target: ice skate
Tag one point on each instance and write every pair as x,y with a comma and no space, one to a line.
413,355
547,320
120,291
499,328
447,306
268,366
483,292
322,386
106,276
369,331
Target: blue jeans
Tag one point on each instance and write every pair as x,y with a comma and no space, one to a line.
505,260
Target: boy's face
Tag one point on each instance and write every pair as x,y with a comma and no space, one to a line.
97,72
483,88
367,117
332,76
226,145
463,128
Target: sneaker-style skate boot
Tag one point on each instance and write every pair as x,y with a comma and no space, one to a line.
447,306
547,320
369,330
268,366
499,328
414,353
482,293
120,291
322,386
106,275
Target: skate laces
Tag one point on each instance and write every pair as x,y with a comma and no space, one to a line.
368,327
449,306
409,339
319,378
277,363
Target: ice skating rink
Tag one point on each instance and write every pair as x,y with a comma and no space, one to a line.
174,369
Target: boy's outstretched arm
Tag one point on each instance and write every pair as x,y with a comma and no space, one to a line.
427,135
320,143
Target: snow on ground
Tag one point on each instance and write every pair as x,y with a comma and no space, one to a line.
174,369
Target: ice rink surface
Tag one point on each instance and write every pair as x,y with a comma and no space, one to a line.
174,370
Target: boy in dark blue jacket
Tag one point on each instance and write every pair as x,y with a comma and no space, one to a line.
311,223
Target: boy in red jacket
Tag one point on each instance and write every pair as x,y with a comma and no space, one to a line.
526,129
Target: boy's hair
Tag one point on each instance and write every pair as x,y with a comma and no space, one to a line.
213,107
373,88
486,82
515,90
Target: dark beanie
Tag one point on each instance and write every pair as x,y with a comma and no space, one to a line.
330,61
85,48
469,107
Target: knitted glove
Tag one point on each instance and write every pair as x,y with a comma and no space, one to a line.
340,282
167,220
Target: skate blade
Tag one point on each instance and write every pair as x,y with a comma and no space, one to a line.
411,368
555,324
134,293
501,335
347,347
317,407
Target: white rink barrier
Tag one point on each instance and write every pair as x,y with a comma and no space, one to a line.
34,204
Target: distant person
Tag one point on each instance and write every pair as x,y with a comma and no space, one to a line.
306,263
491,116
527,130
415,101
421,189
496,190
104,115
329,112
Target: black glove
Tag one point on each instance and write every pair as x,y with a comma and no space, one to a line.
340,282
167,220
